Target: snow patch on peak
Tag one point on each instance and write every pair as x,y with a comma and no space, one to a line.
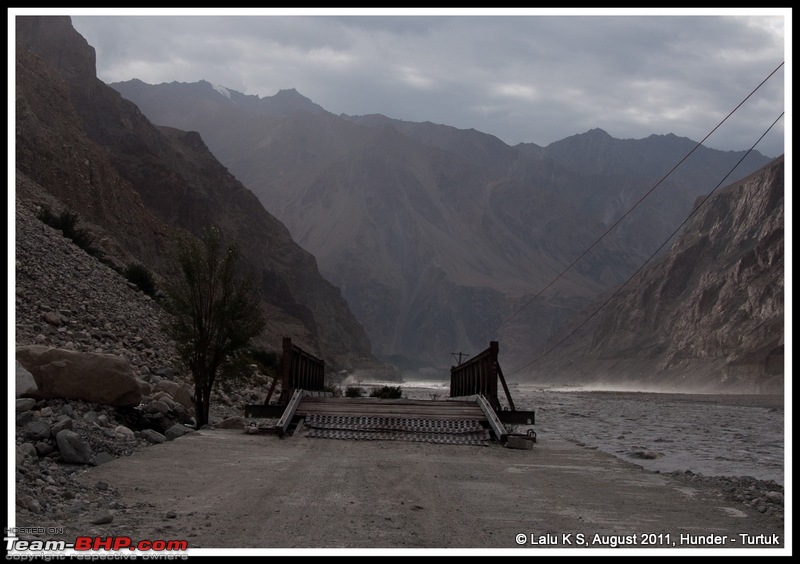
222,90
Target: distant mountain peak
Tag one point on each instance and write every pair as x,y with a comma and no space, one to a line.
292,95
284,103
664,136
222,90
597,132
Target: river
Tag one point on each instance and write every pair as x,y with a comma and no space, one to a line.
713,435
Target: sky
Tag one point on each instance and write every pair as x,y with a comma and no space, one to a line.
534,76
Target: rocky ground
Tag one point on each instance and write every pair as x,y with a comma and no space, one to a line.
765,496
67,299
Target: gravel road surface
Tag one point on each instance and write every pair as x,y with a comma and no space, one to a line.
227,489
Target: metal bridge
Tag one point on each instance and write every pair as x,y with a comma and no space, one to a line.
472,415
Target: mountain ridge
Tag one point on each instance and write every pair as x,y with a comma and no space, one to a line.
177,182
708,314
439,239
414,221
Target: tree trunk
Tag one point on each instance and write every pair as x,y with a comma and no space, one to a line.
201,407
207,400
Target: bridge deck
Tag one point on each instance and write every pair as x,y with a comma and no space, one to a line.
446,421
449,410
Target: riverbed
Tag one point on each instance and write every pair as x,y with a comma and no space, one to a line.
713,435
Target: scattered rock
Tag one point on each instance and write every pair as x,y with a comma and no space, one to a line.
37,430
157,406
176,431
645,454
73,448
25,404
28,450
764,496
103,518
774,497
26,384
235,422
185,396
166,386
144,387
44,448
123,433
152,436
24,418
52,318
64,422
103,458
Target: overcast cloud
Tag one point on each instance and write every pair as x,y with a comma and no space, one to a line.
523,78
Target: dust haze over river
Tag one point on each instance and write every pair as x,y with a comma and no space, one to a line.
709,434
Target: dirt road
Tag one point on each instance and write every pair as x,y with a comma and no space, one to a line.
227,489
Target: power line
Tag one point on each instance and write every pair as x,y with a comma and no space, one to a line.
619,289
635,205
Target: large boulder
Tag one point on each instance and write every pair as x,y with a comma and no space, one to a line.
99,378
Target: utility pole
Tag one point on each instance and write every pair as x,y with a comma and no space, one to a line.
459,357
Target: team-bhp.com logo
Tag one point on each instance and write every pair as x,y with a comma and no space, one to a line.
84,546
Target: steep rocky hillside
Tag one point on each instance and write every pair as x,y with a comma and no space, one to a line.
709,314
95,153
70,302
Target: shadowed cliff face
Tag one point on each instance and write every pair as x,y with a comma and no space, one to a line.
710,312
94,151
58,166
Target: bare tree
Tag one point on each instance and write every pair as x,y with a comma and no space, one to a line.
214,312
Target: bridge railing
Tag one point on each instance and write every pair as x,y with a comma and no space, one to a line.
299,370
479,376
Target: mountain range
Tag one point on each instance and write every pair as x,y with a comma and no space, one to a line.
439,238
388,245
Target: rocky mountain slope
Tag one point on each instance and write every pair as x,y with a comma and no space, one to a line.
85,148
439,237
708,315
70,303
